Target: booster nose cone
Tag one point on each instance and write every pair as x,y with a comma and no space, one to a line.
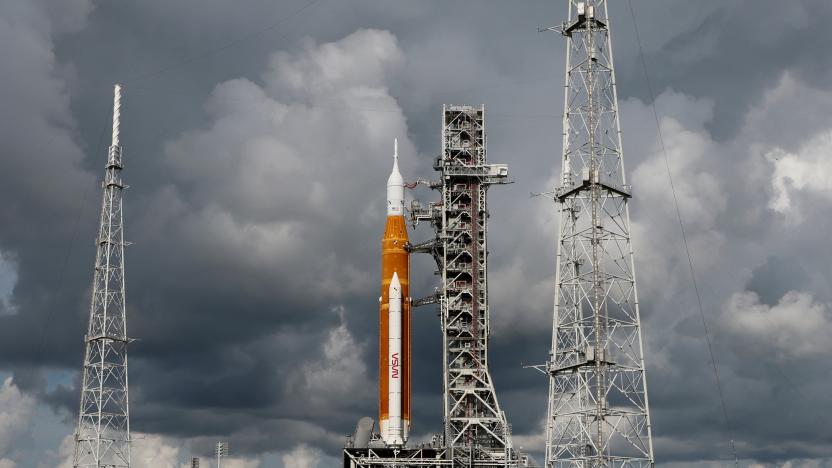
395,287
395,186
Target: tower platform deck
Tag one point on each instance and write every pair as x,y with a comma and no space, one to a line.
392,457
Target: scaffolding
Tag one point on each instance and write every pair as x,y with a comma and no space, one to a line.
476,433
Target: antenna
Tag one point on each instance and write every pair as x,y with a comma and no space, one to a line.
102,437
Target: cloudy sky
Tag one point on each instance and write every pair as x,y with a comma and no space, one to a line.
257,138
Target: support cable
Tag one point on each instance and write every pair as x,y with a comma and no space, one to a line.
682,229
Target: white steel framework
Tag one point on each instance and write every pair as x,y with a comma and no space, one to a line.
427,457
102,438
476,432
221,451
598,412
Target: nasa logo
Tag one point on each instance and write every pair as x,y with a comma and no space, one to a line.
394,366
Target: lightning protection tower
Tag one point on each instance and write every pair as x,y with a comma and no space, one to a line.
221,450
598,412
476,432
102,438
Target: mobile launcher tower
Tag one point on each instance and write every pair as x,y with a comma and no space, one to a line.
476,433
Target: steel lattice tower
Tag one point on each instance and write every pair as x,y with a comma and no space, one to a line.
476,432
598,412
103,433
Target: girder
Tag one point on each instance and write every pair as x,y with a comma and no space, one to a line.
598,412
102,437
476,431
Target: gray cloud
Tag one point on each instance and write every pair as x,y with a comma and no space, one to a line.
17,411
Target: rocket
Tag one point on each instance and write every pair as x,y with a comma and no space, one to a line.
394,317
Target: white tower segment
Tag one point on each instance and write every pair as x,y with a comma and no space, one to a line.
598,412
102,438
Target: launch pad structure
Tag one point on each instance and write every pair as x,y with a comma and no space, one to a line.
476,432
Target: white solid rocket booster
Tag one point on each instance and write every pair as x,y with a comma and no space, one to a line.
395,426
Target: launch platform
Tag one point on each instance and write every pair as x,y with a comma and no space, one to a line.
385,457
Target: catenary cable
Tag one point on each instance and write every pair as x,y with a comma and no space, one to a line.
708,339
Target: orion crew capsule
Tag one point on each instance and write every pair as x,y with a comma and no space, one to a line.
394,317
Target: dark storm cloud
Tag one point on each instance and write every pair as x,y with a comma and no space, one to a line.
44,190
731,52
257,161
